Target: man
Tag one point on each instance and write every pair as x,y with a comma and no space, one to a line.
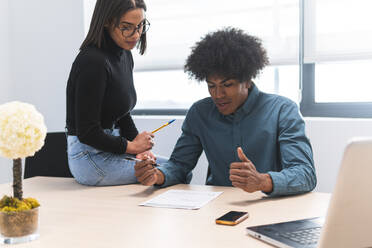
253,140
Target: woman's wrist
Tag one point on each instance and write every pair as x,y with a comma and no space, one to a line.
131,148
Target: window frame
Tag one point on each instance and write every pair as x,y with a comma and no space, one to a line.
148,111
308,106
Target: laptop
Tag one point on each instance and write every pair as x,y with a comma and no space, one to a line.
348,222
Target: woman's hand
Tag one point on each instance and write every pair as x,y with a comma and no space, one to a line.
143,142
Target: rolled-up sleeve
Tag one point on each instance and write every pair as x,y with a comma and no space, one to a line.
296,157
184,156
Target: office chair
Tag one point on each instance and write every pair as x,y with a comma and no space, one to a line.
51,160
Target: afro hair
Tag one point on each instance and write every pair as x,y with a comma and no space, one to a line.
228,53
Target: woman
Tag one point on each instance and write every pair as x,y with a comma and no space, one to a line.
100,96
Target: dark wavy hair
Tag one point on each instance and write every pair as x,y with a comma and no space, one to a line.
108,12
227,53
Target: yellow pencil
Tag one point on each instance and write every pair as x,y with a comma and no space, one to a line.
166,124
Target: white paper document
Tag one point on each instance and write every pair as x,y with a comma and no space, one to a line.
185,199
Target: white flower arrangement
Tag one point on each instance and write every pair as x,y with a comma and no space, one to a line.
22,133
22,130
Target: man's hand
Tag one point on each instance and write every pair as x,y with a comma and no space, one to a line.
147,174
245,176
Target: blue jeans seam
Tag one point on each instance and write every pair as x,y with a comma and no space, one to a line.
78,155
99,171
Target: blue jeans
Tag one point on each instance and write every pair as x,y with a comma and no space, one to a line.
90,166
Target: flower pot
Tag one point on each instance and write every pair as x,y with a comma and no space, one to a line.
19,227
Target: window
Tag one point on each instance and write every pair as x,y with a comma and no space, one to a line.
177,25
344,81
170,91
337,58
166,90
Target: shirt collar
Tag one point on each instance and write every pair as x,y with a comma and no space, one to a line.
111,46
248,105
251,100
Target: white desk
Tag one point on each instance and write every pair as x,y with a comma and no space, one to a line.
73,215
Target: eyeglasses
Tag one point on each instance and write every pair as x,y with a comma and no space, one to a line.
141,28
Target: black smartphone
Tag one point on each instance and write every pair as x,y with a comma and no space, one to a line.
232,218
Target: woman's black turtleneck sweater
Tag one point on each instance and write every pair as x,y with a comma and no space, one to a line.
100,94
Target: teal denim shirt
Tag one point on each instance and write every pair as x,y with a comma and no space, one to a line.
268,127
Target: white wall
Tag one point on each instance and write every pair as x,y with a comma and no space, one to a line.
45,37
329,137
39,41
4,51
5,79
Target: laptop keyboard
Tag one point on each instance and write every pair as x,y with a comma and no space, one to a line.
304,236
